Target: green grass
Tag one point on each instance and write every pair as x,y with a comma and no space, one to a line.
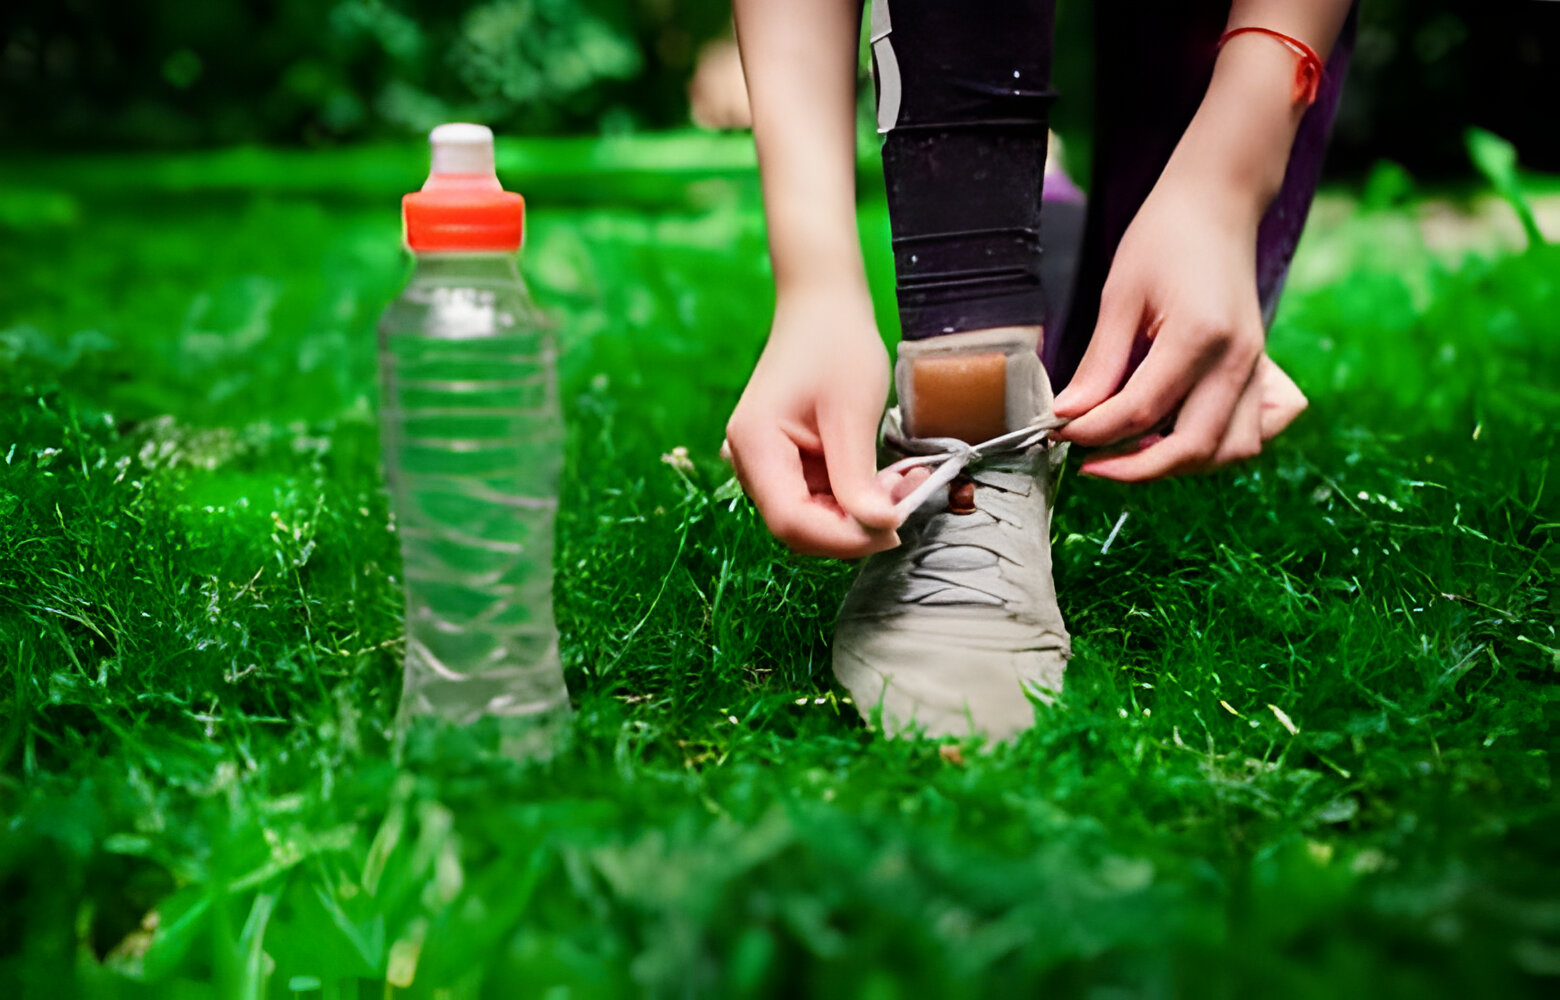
199,624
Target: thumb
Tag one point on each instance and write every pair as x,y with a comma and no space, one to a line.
1282,400
849,433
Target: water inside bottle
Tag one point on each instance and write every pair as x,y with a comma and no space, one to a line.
473,448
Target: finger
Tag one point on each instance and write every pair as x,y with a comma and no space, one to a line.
1164,378
822,529
1282,400
1243,437
849,433
1199,428
768,464
1105,361
901,484
725,450
769,467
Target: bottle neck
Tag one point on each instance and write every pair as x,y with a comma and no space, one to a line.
466,267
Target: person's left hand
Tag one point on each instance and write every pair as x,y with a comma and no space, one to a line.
1184,278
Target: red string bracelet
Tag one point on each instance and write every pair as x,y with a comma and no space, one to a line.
1308,75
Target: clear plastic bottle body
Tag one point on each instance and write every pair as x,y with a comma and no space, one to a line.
473,442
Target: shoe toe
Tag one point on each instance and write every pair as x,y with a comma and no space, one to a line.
948,674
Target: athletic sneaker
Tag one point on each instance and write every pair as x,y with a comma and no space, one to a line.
956,630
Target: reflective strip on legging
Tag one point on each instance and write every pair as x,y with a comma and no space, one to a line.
887,67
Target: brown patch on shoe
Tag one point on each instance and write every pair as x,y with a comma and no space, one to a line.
961,495
960,396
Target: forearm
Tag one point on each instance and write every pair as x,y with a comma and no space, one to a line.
799,57
1241,136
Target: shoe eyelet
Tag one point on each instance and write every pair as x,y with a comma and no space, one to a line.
961,495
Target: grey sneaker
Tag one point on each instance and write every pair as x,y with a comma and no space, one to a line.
953,632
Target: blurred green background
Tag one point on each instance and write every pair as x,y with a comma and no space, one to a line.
167,74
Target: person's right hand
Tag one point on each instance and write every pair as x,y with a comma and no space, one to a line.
803,437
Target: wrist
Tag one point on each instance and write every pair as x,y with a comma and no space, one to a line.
1239,141
838,279
824,306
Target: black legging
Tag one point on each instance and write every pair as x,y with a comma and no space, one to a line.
964,94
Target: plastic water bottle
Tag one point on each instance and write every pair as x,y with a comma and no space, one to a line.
472,438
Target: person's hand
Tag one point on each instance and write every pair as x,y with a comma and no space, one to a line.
803,437
1184,280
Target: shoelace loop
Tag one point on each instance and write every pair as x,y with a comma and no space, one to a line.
954,456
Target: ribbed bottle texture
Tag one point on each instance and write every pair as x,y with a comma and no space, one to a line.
473,444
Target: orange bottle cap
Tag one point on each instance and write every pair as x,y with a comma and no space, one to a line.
462,208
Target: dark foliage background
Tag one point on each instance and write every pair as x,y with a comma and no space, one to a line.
161,74
1425,70
169,73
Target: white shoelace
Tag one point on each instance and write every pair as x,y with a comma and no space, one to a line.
954,456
